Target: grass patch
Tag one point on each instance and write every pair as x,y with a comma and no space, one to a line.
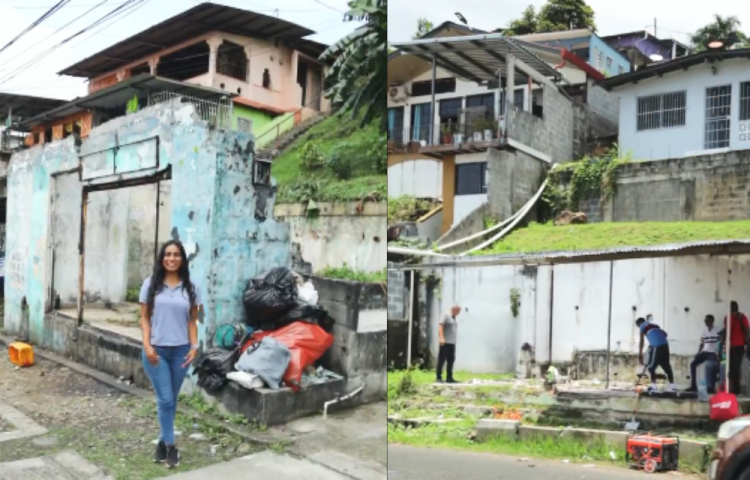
547,237
133,295
405,383
346,272
409,209
311,168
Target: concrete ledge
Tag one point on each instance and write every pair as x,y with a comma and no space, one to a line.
490,428
332,209
24,426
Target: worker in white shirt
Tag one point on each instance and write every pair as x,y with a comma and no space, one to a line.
707,352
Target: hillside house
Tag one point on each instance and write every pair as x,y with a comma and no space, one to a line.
263,64
641,48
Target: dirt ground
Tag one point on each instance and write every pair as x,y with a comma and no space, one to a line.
111,429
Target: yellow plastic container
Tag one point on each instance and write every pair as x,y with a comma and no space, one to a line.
21,354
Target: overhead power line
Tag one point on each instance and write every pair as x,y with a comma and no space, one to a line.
55,8
130,4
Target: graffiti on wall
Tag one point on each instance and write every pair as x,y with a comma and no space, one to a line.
16,270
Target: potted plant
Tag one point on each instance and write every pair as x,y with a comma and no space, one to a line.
477,128
447,129
490,129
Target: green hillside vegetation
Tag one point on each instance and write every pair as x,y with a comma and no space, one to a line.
336,160
597,236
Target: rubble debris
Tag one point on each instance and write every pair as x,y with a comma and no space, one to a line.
571,218
268,358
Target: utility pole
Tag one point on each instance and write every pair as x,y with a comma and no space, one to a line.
655,28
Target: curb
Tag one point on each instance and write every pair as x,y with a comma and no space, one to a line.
146,394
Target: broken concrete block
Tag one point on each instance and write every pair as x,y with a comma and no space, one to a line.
490,428
529,432
693,451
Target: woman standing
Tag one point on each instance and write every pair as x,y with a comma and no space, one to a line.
169,314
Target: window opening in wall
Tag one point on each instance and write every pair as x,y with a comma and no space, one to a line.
442,85
609,61
421,117
745,101
450,118
302,70
266,79
140,69
661,111
261,172
517,100
244,125
620,69
480,114
471,178
48,135
396,124
718,113
231,61
184,64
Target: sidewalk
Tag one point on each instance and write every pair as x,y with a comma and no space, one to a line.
269,465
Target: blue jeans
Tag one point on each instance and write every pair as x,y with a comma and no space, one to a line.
167,377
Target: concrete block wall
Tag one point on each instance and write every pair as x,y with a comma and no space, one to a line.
703,188
552,135
470,224
515,178
360,334
604,111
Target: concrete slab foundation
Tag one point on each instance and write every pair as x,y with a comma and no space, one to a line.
264,465
24,427
63,466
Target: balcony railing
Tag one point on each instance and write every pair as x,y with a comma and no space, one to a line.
445,133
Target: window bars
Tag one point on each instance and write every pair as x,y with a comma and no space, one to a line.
718,112
217,111
662,111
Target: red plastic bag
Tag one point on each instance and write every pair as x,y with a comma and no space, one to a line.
306,341
724,407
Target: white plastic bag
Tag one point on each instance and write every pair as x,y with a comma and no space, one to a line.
308,294
247,380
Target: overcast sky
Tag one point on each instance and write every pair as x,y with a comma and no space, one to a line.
41,79
674,18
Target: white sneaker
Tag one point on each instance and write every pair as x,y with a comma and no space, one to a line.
671,388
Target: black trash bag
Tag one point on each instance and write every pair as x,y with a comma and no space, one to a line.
268,298
212,367
304,312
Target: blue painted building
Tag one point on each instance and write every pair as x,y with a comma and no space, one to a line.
586,45
220,208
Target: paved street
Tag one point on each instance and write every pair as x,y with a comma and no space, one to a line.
409,463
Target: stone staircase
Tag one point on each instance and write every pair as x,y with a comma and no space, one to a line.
276,146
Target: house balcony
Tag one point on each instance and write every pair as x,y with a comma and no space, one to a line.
445,139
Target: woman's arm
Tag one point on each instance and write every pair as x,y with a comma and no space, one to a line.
148,349
193,327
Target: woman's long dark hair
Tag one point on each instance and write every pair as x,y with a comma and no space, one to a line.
157,278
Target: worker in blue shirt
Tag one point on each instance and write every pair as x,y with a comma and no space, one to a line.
658,351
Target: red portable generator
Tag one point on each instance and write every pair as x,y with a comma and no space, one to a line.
653,453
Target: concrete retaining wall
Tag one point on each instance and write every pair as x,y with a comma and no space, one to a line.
339,234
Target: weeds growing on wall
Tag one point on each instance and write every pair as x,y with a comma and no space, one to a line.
591,177
407,209
345,272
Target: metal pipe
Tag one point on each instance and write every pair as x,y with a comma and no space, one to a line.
551,307
411,319
609,319
82,255
339,400
432,106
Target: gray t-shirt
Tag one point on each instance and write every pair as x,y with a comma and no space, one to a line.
449,329
169,320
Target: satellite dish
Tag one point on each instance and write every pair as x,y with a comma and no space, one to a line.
655,57
715,44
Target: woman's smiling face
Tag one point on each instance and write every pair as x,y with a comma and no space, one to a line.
172,259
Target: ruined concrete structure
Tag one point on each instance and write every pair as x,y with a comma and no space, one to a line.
222,216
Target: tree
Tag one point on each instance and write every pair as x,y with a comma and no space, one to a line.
358,78
524,25
555,15
423,27
723,29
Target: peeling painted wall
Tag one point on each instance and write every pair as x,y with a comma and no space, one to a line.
224,221
678,291
339,234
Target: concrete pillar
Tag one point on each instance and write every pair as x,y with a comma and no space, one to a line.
449,191
213,46
248,54
510,93
153,64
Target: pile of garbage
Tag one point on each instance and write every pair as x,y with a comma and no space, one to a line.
284,333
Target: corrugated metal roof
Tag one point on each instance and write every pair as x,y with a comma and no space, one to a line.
707,247
477,58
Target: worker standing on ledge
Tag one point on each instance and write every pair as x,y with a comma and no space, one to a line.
658,351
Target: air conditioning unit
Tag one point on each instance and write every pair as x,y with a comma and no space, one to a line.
398,93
